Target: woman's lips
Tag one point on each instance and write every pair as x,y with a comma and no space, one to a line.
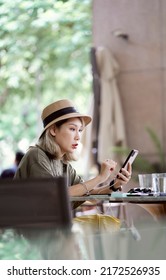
74,146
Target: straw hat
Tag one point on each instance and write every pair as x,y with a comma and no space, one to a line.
61,110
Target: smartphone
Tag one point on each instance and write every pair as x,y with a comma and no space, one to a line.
130,159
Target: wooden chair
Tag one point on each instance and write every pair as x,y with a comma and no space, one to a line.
34,203
37,210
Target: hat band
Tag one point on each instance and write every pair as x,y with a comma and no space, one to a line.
57,114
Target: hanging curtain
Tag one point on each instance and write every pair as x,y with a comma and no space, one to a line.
111,131
107,129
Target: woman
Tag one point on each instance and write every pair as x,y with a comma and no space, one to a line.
57,146
51,156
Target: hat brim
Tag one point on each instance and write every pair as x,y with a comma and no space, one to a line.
87,120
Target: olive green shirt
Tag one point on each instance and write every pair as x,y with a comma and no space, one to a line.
36,164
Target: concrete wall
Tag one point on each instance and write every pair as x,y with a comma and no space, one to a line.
142,61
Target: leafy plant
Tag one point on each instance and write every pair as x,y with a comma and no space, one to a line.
141,164
44,50
159,166
14,247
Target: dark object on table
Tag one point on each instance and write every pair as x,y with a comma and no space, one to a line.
140,190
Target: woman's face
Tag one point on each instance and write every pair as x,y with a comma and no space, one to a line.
68,135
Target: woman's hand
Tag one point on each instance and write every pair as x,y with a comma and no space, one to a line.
107,167
124,176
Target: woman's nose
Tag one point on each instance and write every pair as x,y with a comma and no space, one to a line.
77,136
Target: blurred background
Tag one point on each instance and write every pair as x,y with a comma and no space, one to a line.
109,57
57,49
44,56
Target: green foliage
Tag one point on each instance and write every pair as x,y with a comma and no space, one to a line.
159,149
140,164
44,51
143,165
46,42
14,247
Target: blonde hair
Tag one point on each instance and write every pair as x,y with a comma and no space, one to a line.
48,143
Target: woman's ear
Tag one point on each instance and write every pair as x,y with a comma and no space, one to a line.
53,130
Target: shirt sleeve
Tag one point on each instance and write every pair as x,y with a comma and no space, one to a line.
35,164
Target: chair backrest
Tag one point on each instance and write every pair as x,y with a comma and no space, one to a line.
34,203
